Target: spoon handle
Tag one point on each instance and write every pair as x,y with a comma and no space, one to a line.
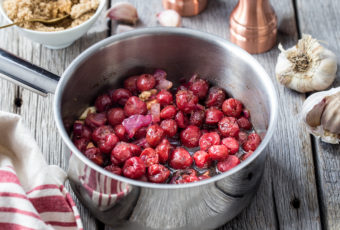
5,26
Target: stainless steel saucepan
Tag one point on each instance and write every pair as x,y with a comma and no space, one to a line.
130,204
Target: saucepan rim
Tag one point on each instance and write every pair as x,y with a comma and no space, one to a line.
166,31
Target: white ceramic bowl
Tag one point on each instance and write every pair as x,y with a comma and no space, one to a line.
58,39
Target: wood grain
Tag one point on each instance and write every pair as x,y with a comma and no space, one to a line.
321,20
37,111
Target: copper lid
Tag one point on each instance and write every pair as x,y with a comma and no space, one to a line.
185,7
253,25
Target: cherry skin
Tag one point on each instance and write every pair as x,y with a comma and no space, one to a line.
115,116
253,141
94,120
228,127
168,112
120,96
181,119
209,139
134,168
94,155
146,82
229,163
133,106
200,88
197,117
218,152
202,159
244,123
180,159
170,127
108,143
216,97
186,101
190,136
164,97
103,103
163,150
232,107
232,144
213,116
158,173
101,132
121,152
149,157
154,135
131,84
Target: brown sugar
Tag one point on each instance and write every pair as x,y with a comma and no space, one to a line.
79,10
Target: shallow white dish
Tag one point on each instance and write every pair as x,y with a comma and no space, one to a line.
58,39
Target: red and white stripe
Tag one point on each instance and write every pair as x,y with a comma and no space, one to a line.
46,206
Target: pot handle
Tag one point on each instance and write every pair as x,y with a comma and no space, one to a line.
26,74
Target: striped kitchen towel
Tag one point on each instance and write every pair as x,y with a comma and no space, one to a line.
32,194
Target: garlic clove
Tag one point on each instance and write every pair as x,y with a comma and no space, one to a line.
307,66
321,114
123,12
169,18
123,28
330,119
87,111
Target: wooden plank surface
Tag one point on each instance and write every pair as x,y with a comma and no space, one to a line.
321,20
289,176
287,198
37,111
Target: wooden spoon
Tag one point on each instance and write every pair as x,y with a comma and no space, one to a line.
47,22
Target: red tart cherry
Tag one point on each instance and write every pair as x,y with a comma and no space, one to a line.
120,96
228,163
163,150
154,135
170,127
115,116
134,168
202,159
103,103
232,107
164,97
149,157
218,152
180,159
146,82
158,173
209,139
213,116
216,97
190,136
186,101
134,105
228,127
253,141
232,144
168,112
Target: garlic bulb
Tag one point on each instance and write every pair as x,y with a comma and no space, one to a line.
123,12
307,66
169,18
321,114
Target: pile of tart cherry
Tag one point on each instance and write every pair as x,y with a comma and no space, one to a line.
151,131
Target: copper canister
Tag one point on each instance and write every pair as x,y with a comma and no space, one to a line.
186,7
253,25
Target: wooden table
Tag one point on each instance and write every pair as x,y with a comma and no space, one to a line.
301,184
